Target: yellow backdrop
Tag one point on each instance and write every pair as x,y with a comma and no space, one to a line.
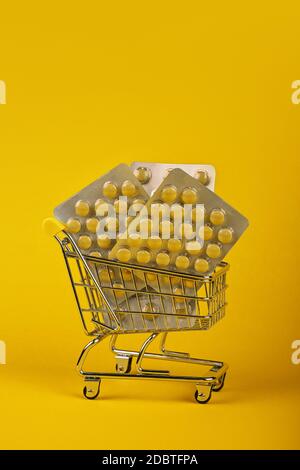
91,85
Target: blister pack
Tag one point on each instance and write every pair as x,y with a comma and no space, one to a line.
151,175
91,216
184,227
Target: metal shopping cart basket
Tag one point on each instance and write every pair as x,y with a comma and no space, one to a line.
118,298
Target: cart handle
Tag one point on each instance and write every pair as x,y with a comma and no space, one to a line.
52,227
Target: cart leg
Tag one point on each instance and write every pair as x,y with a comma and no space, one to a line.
203,393
170,353
92,388
141,355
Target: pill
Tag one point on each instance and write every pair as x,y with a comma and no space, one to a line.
91,224
82,208
73,225
225,235
182,262
177,291
213,250
143,174
189,284
206,232
166,229
104,241
174,244
101,208
96,254
84,242
110,190
168,194
134,240
189,196
145,227
127,274
117,286
201,265
154,243
160,210
151,277
202,176
106,275
123,255
193,247
143,256
120,206
217,216
163,259
128,189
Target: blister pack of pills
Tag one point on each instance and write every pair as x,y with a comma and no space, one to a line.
184,227
151,175
92,216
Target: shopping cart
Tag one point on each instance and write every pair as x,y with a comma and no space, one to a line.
118,298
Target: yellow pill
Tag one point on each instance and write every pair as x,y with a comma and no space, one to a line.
84,242
202,176
134,240
217,216
96,254
82,208
193,248
143,174
104,241
182,262
126,274
154,243
206,232
123,255
166,229
106,275
225,235
128,189
145,227
174,244
143,256
189,196
169,194
177,291
198,214
160,210
73,225
120,206
213,250
189,284
101,208
151,277
110,190
201,265
91,224
117,286
163,259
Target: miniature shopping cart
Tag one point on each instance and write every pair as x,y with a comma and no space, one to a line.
116,298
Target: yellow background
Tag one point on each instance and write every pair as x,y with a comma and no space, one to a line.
94,84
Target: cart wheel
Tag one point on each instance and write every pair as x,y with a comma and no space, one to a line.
92,390
204,395
220,384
